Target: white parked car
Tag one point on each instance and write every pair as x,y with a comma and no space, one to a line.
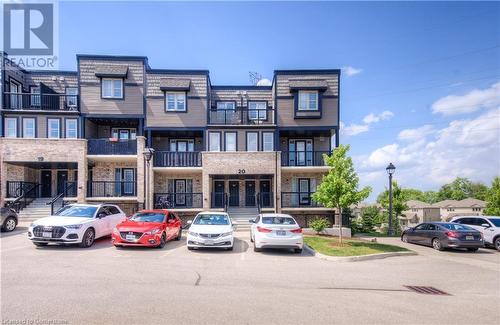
270,230
210,229
489,226
76,224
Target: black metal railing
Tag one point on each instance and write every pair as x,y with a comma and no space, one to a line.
58,201
17,188
26,197
111,188
219,200
177,159
239,116
303,158
298,200
265,200
178,200
44,102
111,147
70,189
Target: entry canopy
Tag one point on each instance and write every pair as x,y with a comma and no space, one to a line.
111,71
175,84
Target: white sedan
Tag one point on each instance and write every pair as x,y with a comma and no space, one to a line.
270,230
210,229
76,224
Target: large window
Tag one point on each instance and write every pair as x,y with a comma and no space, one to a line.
230,141
175,102
10,127
225,105
177,145
252,141
53,128
71,129
308,100
35,96
28,127
112,88
267,141
71,97
257,111
124,133
214,141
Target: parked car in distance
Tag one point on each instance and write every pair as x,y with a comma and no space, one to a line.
210,229
8,219
151,228
441,235
76,224
489,226
270,230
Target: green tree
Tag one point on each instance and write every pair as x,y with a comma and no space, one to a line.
479,191
369,217
430,197
493,198
398,203
339,188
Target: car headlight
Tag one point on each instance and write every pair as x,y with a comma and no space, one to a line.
153,231
227,234
73,226
33,225
115,231
194,234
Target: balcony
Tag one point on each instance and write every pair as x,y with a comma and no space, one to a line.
298,200
178,200
111,147
177,159
303,158
111,188
241,116
40,102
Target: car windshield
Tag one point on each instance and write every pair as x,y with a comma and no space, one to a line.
278,221
77,211
455,226
495,221
211,219
148,217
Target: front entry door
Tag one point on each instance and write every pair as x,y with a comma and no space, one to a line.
234,193
62,178
304,191
180,192
46,181
128,186
265,193
250,193
218,200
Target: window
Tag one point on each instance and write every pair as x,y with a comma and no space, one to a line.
53,128
28,127
124,133
308,100
225,105
71,97
112,209
175,102
35,96
214,141
112,88
268,141
257,111
252,141
422,226
230,141
476,209
10,127
71,129
181,145
432,227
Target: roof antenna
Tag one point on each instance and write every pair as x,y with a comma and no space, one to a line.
255,77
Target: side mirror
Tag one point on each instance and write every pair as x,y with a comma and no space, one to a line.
485,225
189,222
101,215
251,221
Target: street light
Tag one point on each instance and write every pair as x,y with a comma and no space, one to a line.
148,155
390,170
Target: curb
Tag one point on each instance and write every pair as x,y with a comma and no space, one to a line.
357,258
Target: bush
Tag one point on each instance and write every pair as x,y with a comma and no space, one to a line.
319,224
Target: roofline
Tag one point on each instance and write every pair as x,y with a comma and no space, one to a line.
241,87
313,71
112,57
65,72
177,71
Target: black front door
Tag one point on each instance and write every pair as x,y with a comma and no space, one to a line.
180,192
218,200
304,191
62,178
265,193
46,181
234,193
250,193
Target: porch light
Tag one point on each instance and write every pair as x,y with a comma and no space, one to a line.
148,154
390,169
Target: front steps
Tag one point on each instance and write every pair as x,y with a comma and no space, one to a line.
35,210
240,216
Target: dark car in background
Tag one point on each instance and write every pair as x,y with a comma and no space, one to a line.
442,235
8,219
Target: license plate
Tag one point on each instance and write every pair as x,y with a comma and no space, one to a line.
209,242
469,237
47,234
130,237
280,233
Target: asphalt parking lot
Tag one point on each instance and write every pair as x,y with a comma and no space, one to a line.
105,285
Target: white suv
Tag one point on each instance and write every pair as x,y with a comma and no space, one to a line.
489,226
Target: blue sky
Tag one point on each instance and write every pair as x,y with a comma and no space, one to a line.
419,85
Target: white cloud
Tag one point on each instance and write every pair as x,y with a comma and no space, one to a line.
373,118
351,71
470,102
354,129
416,134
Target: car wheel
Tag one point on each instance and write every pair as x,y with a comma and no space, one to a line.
472,249
436,244
9,224
256,249
190,248
230,248
497,243
40,244
251,238
404,239
88,238
179,235
297,250
163,241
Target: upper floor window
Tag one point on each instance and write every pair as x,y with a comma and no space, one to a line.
177,145
257,110
308,100
267,141
214,141
175,101
71,97
11,127
112,88
28,127
35,96
230,141
252,141
225,105
71,129
53,128
124,133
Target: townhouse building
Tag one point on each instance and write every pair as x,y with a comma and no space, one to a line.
117,130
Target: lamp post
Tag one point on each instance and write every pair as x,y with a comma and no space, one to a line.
390,170
148,155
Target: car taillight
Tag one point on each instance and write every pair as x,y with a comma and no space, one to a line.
296,231
452,234
260,229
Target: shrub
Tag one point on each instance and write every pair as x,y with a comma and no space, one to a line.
319,224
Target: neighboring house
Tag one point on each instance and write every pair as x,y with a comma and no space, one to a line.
82,136
418,212
465,207
356,208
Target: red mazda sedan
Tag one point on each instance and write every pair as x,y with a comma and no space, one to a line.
148,228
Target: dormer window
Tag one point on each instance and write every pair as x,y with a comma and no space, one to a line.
112,88
308,100
226,105
175,101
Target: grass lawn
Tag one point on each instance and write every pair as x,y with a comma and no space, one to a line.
351,247
374,234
